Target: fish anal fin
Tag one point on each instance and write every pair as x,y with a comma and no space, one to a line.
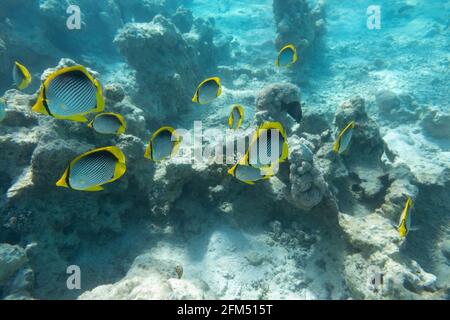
93,189
39,108
76,118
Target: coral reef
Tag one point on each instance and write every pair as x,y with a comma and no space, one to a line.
308,187
38,156
401,278
274,102
322,228
436,123
151,279
181,72
298,24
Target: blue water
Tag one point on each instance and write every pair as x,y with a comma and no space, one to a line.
242,241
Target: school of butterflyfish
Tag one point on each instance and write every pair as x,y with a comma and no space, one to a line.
73,93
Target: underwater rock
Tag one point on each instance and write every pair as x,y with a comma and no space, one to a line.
185,290
395,107
367,145
397,279
114,92
18,112
401,187
20,147
370,233
379,243
183,19
39,153
436,123
364,157
307,185
12,258
23,282
298,24
387,101
201,38
149,279
276,102
159,69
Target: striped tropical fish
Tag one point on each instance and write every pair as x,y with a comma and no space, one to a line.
108,123
236,117
207,91
287,56
70,93
91,170
163,144
21,76
343,140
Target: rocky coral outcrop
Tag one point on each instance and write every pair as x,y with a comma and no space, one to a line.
363,162
160,69
396,108
402,185
381,271
308,187
12,258
436,123
16,278
275,102
298,24
183,19
150,279
58,219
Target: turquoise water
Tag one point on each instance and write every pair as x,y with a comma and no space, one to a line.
323,226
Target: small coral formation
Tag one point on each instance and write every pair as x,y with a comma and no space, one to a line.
396,107
436,123
322,228
164,87
16,277
298,24
39,152
183,19
150,279
274,102
381,186
399,277
363,167
308,186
